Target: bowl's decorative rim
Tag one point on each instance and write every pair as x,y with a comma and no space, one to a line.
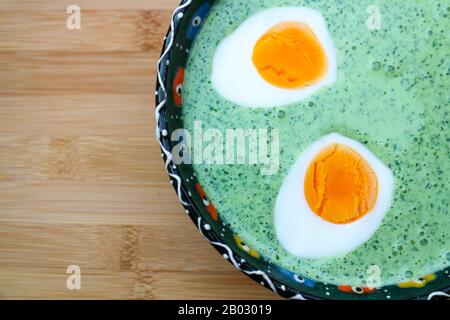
163,138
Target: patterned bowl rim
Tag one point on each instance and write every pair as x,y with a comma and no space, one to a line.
265,278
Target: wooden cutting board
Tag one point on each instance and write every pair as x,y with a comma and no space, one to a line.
81,179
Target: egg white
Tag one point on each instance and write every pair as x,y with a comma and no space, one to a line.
303,233
234,75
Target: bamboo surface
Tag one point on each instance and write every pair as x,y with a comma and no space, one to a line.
81,178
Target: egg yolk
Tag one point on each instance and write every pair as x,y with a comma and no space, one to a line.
290,56
340,185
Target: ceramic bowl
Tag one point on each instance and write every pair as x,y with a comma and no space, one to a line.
185,25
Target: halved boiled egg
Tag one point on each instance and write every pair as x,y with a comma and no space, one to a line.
276,57
333,199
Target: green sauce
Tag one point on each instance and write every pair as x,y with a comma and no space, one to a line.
392,94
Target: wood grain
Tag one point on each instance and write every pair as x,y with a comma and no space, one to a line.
81,179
